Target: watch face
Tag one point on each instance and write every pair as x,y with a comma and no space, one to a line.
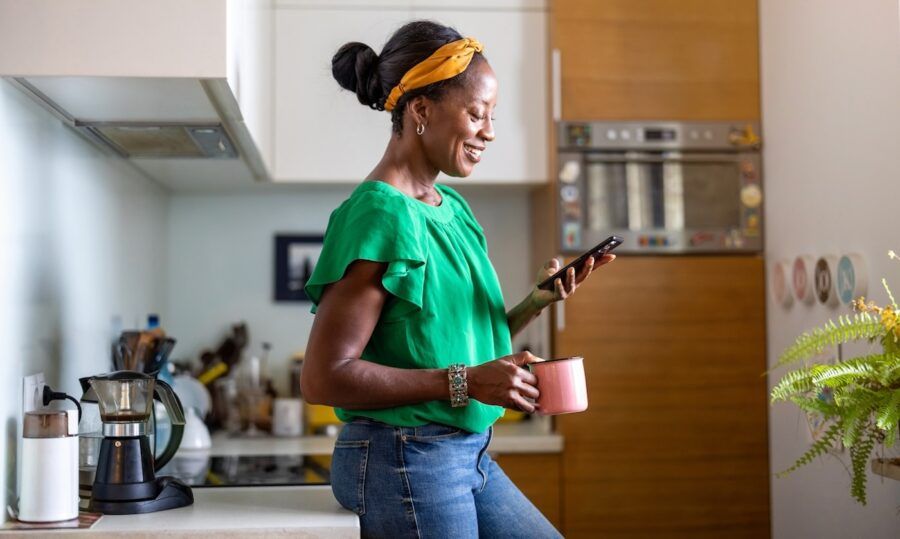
457,379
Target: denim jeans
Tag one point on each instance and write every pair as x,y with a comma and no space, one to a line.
429,481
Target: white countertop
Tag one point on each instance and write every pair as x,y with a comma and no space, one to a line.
524,437
308,511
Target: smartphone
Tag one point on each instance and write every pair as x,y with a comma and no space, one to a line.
598,251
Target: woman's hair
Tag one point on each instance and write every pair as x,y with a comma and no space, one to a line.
357,68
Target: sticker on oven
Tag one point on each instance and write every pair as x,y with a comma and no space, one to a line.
571,235
571,210
569,193
570,172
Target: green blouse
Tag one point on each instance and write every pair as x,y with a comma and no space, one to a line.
445,304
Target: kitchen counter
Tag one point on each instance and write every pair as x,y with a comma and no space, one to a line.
233,512
522,437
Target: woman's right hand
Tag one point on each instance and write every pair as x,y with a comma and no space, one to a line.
504,382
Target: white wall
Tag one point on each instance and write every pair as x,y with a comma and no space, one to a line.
82,238
831,114
221,251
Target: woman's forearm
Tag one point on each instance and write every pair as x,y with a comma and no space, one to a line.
522,314
357,384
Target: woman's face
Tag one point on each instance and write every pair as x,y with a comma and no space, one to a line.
459,126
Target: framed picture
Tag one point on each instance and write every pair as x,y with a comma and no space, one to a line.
295,258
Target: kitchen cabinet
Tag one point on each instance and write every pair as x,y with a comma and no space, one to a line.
674,442
657,59
538,477
323,134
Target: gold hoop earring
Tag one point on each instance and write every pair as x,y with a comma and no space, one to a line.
420,129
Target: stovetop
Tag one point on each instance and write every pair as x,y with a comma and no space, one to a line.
243,471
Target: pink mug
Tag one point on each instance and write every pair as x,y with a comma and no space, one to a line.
561,384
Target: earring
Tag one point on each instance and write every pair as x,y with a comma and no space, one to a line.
420,129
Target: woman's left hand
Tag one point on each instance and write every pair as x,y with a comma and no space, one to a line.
564,287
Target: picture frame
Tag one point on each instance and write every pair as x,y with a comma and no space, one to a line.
296,256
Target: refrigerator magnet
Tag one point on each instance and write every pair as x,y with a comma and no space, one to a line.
825,279
801,279
852,280
781,290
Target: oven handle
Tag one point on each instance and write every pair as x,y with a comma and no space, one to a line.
668,157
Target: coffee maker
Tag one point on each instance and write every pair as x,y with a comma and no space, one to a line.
125,481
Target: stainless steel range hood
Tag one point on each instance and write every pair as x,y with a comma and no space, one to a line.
182,94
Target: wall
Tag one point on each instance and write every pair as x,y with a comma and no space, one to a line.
81,240
221,250
831,110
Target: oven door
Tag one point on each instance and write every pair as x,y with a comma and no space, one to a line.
664,201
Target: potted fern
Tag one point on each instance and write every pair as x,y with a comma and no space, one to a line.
859,398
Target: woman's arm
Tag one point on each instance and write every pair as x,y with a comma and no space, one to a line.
529,308
334,375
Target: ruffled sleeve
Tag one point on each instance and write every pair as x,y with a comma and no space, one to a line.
377,227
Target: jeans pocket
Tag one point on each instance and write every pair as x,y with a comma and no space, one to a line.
348,474
433,432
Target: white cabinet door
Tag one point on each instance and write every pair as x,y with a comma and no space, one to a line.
515,44
322,132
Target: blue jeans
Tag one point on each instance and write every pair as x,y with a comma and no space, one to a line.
430,481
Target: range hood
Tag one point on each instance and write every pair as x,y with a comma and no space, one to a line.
180,89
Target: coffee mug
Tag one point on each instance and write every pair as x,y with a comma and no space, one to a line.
561,385
287,417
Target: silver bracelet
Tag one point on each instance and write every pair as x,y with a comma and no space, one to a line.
459,388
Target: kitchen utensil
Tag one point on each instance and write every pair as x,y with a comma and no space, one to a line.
192,394
125,481
196,435
49,490
287,417
160,355
128,343
561,384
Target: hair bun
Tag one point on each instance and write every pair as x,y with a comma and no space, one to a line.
355,68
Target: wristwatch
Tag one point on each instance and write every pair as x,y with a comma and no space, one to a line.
459,389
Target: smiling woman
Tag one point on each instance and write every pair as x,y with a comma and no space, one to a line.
411,340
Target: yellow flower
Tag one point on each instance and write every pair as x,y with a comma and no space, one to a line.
889,319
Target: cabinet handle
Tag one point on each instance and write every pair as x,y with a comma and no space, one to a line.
556,78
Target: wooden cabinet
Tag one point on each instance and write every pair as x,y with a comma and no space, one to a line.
657,59
323,134
538,476
674,443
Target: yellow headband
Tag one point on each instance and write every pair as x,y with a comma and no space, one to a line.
447,62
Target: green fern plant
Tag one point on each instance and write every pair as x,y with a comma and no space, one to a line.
864,408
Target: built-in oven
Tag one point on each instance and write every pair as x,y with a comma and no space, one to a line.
665,187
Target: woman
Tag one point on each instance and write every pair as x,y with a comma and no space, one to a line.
411,342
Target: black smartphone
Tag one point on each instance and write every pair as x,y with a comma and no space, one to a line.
598,251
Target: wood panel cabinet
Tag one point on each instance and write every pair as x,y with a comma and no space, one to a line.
538,476
657,59
674,443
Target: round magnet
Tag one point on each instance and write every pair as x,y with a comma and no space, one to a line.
825,273
852,280
801,279
781,290
570,172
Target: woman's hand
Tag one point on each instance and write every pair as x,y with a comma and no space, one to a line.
504,382
562,290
